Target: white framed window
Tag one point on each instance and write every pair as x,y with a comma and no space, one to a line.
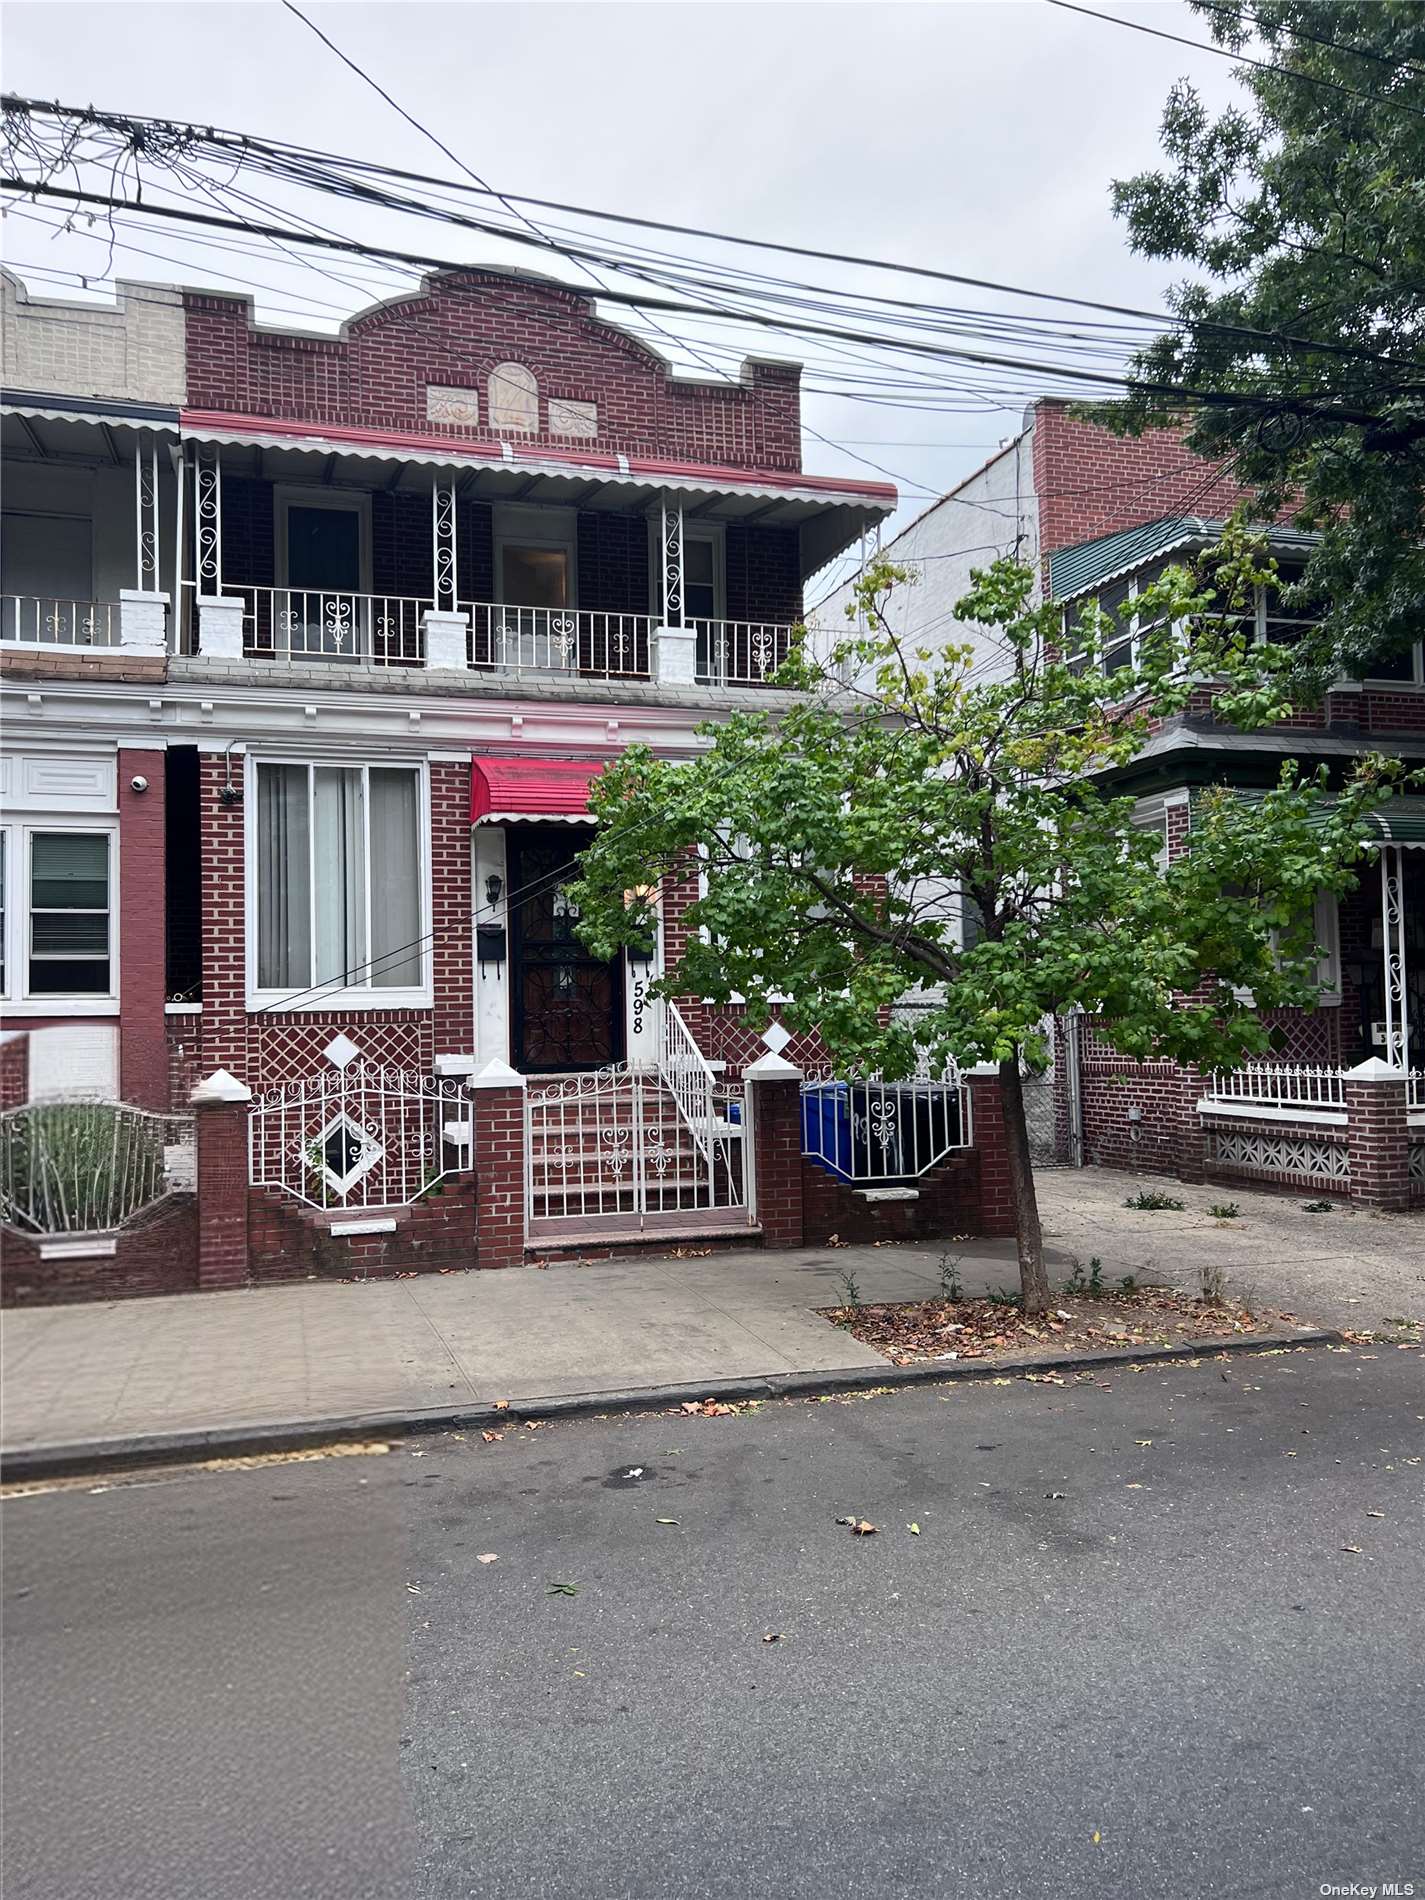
58,916
338,885
1404,669
704,570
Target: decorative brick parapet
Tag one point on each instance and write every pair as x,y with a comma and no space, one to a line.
498,1116
1378,1135
775,1094
221,1105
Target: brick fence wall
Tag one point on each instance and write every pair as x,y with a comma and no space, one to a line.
156,1253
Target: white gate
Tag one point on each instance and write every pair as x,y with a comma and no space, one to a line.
359,1136
635,1148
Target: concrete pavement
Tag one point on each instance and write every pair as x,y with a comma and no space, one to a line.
1129,1653
281,1355
300,1356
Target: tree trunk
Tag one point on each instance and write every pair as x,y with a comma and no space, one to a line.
1033,1281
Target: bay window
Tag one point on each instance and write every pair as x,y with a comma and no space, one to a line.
336,880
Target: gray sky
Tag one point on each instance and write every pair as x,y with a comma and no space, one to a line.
976,135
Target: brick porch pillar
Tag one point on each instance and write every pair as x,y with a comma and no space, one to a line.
1192,1137
497,1156
1378,1135
987,1135
774,1093
143,975
220,1105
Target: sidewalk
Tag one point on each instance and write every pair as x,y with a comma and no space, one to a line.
294,1355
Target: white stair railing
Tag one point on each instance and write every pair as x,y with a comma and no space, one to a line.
684,1071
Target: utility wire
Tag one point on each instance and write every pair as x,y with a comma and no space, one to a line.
1242,59
1100,379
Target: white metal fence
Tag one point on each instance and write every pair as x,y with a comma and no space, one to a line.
1415,1091
871,1132
740,652
88,1167
617,1148
298,625
32,620
567,640
1279,1085
362,1136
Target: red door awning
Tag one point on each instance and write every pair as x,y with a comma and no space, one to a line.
532,790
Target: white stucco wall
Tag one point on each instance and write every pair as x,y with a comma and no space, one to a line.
132,348
993,512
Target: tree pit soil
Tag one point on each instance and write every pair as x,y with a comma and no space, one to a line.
918,1332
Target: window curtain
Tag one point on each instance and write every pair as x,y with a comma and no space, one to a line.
284,929
395,880
340,867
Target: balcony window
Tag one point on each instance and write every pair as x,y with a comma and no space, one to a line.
533,576
336,876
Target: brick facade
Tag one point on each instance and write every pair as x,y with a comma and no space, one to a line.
287,1241
452,334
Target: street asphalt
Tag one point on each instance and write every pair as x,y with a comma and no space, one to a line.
1160,1632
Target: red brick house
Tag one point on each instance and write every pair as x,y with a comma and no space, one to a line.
1097,514
311,649
1111,514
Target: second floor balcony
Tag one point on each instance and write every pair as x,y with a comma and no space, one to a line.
268,553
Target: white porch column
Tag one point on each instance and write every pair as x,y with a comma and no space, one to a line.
446,637
444,565
147,545
208,518
677,656
1397,1005
492,979
672,546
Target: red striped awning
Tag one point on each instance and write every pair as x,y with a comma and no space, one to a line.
526,790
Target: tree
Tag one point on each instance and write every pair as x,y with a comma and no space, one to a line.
1303,208
830,834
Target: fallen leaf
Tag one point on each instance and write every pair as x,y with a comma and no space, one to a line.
1375,1513
863,1529
773,1636
692,1405
492,1438
1096,1837
1354,1549
1142,1441
502,1405
1056,1494
914,1529
488,1557
665,1520
562,1590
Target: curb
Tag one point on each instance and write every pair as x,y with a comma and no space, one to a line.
186,1447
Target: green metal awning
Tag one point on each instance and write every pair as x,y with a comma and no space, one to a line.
1074,570
1090,564
1396,821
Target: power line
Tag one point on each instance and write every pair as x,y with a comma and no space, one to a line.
246,146
1241,59
1299,32
910,345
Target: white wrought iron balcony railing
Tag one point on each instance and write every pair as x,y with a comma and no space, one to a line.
306,624
34,620
579,642
740,652
1279,1085
1415,1092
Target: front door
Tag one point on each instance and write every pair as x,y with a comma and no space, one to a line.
567,1006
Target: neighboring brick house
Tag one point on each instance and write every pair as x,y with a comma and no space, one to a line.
1097,514
310,648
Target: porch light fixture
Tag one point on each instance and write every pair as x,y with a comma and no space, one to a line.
493,886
